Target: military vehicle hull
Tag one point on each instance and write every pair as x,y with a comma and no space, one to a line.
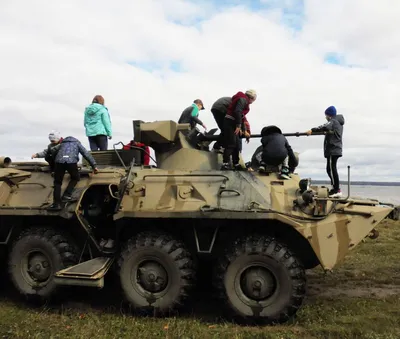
156,225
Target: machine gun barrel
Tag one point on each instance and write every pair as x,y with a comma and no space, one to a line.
208,137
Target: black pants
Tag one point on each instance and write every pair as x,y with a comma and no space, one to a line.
98,143
50,160
331,169
59,173
231,142
219,118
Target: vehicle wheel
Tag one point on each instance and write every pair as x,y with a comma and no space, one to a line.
261,281
36,256
156,273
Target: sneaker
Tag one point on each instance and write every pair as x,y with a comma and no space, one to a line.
109,243
261,169
284,173
66,198
335,194
284,176
238,167
54,207
225,167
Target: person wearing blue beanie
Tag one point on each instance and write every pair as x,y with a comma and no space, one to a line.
333,146
330,111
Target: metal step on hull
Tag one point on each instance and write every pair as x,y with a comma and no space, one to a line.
89,273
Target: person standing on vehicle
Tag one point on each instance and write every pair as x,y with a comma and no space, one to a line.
219,110
190,115
97,123
333,146
66,160
55,139
236,124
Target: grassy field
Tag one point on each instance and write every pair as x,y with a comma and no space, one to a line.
360,299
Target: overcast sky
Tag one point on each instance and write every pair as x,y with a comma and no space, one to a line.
150,59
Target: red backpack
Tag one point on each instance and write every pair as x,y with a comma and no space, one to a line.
145,154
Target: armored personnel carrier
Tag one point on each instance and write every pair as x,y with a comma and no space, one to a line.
156,224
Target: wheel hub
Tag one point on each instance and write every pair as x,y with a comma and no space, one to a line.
152,276
257,283
38,267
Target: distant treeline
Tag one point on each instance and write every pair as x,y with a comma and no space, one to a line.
360,183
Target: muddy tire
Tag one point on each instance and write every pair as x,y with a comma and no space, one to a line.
260,281
37,254
156,273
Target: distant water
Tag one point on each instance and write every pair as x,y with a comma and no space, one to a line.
388,194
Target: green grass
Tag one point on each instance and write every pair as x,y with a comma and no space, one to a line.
359,299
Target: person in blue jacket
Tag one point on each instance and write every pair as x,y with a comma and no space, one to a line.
66,158
97,123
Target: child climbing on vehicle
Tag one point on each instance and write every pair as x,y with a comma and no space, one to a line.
66,160
276,151
333,146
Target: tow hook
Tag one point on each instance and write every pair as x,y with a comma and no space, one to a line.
373,234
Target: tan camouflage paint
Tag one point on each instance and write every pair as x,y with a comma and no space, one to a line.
174,194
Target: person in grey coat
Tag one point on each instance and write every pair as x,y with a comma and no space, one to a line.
219,110
55,139
66,156
333,146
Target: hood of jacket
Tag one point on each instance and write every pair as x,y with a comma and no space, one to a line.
270,130
70,139
94,109
339,118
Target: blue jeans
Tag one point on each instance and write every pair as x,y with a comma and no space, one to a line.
98,143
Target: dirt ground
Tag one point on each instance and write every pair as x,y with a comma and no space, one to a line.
358,299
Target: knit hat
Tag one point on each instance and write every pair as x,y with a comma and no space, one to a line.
251,93
54,136
331,111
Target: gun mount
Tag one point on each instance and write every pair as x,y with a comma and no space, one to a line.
176,146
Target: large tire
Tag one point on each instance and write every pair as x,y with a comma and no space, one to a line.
48,251
163,284
260,281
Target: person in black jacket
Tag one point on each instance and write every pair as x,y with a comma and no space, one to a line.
190,115
333,146
276,151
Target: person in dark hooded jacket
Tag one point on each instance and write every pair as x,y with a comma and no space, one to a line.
276,150
66,160
333,146
256,161
97,123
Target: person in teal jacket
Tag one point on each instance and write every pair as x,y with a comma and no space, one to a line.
97,124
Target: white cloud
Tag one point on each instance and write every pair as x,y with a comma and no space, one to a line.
55,61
